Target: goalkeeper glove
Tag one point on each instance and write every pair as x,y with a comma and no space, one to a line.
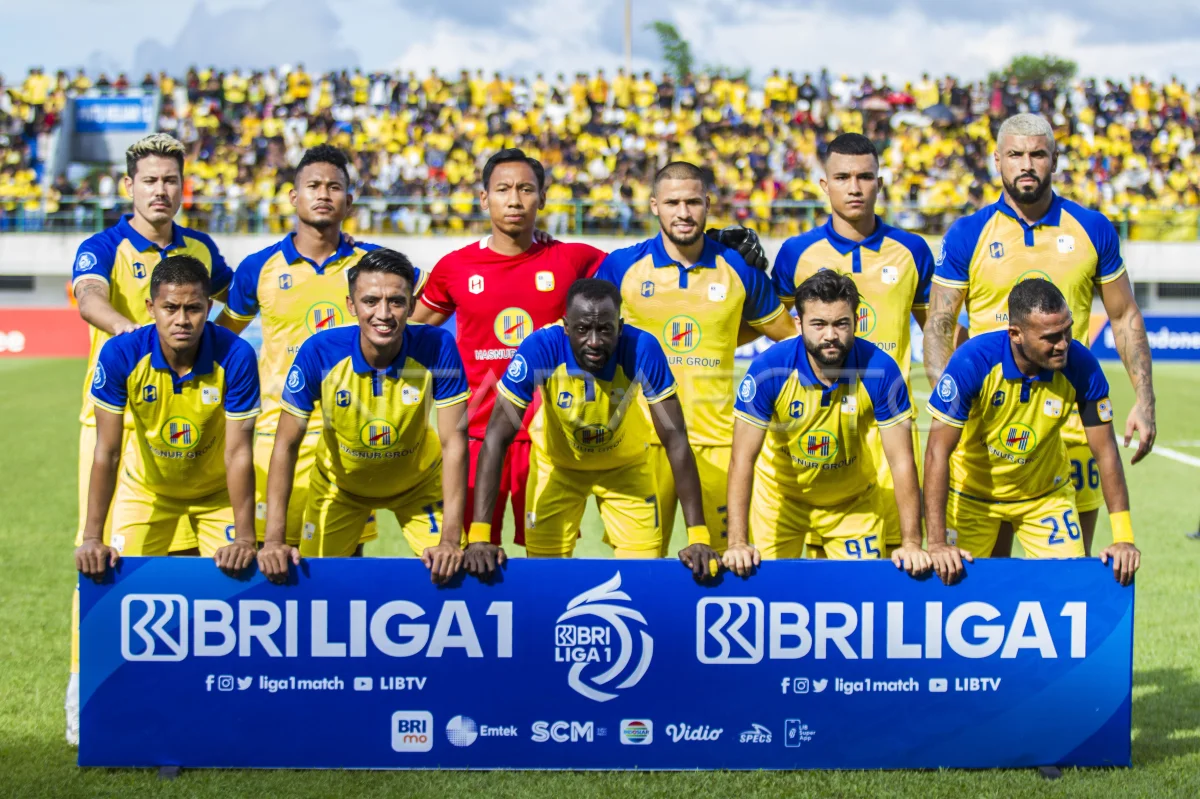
745,241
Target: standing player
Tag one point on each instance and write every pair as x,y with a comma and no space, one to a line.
996,455
377,385
590,371
891,268
503,288
192,390
298,286
812,401
110,280
1032,232
693,294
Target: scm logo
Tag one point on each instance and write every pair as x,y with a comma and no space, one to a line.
563,731
412,731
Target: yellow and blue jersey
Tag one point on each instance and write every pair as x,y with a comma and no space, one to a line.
1012,448
178,444
376,440
123,259
297,298
695,313
815,449
591,421
993,249
892,269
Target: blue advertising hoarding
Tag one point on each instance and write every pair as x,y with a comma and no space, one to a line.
112,114
603,664
1171,338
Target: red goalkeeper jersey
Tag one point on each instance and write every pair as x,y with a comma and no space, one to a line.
500,300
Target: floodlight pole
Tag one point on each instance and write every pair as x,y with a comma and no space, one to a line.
628,37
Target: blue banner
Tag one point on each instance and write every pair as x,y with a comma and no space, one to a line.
603,664
1171,338
109,114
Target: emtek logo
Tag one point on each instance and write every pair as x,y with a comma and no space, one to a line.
734,621
412,731
158,642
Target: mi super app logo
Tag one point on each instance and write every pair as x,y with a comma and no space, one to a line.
154,627
594,631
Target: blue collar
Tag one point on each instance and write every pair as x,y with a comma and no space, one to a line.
658,251
846,246
1052,217
606,374
141,243
805,374
288,247
203,364
1011,371
393,369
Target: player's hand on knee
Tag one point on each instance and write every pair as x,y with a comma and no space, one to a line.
948,562
443,561
236,557
483,559
93,557
1125,561
274,560
741,559
912,559
703,560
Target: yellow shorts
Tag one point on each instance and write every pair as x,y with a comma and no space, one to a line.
264,444
144,522
334,519
713,465
555,499
1086,478
779,526
185,537
1047,527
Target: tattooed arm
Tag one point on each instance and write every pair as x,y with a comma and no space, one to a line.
96,308
1129,332
944,303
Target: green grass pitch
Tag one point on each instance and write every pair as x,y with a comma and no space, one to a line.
39,400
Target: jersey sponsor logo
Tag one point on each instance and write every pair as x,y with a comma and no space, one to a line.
996,249
1018,439
517,368
85,262
866,319
342,398
749,388
139,269
323,316
285,281
997,399
512,325
593,435
796,409
475,284
1104,410
1031,274
179,432
682,334
99,377
377,434
947,389
149,393
544,281
716,292
1066,244
849,405
410,395
819,445
941,256
210,395
648,288
565,399
890,275
1052,408
295,379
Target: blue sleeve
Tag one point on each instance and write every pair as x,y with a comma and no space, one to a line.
113,367
953,265
761,303
651,365
887,390
241,381
923,258
302,389
756,394
783,273
959,388
528,369
1109,265
242,301
94,258
449,377
222,275
612,269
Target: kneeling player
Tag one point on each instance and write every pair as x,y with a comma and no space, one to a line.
593,442
192,390
812,401
995,454
376,384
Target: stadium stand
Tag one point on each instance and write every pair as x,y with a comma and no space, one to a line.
418,141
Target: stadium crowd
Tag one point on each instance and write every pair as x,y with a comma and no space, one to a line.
1127,149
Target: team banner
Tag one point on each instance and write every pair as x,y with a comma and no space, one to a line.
603,664
112,114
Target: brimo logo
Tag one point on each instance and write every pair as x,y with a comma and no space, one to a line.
584,644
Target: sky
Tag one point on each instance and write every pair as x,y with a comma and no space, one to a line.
899,38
